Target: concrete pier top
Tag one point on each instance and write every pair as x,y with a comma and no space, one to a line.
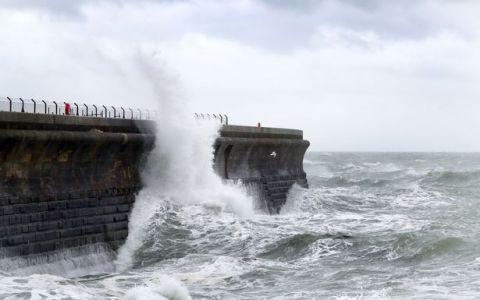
260,132
30,121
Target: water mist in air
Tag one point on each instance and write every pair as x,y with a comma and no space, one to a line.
179,172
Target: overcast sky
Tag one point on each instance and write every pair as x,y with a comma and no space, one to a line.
370,75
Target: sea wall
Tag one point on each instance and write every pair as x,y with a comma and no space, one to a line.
268,159
68,181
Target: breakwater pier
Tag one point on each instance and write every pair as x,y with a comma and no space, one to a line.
69,173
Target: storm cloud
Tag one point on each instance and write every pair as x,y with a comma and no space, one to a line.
355,75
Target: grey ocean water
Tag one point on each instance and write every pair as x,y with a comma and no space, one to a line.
372,225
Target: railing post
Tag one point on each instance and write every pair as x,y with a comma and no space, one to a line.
23,105
226,120
221,118
76,105
144,114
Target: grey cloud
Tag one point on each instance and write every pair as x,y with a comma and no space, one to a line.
280,26
52,6
301,5
289,25
66,7
365,4
307,5
406,19
292,24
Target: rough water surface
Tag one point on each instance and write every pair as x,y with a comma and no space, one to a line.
372,225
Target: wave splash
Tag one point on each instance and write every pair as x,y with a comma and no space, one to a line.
179,174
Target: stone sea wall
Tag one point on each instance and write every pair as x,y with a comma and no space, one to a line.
68,181
269,159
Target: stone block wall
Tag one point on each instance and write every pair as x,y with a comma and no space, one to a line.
268,159
40,224
68,181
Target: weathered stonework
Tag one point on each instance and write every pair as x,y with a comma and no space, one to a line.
68,181
269,159
68,187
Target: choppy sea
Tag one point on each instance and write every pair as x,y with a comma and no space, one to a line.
371,226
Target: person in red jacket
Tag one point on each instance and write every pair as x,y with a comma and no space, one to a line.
67,109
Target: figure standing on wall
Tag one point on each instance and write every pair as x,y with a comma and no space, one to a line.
67,109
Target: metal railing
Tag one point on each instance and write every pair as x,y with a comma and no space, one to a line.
73,109
222,118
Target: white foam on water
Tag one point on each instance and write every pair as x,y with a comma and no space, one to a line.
300,200
73,262
45,286
372,164
389,168
216,271
149,285
162,287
